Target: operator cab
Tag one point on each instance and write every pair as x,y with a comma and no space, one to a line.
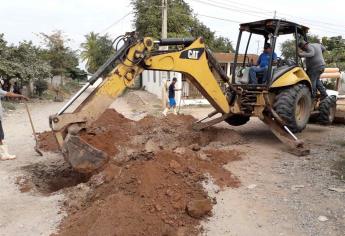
270,30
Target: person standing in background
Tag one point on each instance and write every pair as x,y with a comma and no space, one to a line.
171,96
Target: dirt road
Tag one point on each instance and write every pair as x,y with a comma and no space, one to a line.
26,213
280,194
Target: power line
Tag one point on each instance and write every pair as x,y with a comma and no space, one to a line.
247,12
218,18
227,2
224,5
316,21
245,8
116,22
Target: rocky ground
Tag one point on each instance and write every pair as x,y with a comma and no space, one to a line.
272,192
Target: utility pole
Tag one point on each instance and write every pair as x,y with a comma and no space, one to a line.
164,19
257,50
275,14
163,75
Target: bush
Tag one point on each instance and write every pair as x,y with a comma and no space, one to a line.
40,86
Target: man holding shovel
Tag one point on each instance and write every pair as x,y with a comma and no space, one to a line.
4,155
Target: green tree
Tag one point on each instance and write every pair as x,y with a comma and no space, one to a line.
288,47
22,62
181,23
335,54
96,50
313,38
60,57
30,64
77,74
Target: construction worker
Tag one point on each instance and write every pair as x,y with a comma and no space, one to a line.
315,64
262,65
4,155
171,96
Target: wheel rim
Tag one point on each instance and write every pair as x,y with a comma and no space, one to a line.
301,111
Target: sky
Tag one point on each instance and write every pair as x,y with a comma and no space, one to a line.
24,19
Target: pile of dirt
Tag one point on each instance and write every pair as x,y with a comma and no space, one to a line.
47,142
147,196
153,182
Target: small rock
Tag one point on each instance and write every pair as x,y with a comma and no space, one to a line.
169,193
180,150
338,190
199,208
158,207
251,186
195,147
151,146
97,180
204,157
174,164
294,187
322,218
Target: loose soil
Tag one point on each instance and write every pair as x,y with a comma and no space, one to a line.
47,142
156,170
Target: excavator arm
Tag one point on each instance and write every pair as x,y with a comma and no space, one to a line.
191,57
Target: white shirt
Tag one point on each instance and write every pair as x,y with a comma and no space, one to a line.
2,94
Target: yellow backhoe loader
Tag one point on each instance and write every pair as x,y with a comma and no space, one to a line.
284,102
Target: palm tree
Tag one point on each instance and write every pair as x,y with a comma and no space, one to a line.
90,51
96,50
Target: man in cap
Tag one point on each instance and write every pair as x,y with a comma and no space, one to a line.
262,64
315,64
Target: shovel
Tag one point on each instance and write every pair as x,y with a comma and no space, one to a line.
33,130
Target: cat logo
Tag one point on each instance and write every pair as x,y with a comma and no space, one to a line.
192,54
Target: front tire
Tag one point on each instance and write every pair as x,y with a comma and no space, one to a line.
293,105
327,109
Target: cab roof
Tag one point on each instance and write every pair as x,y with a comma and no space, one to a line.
265,27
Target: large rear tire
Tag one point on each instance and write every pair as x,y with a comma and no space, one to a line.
293,105
327,109
237,120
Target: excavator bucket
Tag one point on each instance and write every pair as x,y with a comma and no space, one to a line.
82,156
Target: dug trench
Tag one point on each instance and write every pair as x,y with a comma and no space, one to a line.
153,183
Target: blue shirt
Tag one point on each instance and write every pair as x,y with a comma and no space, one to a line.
264,59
